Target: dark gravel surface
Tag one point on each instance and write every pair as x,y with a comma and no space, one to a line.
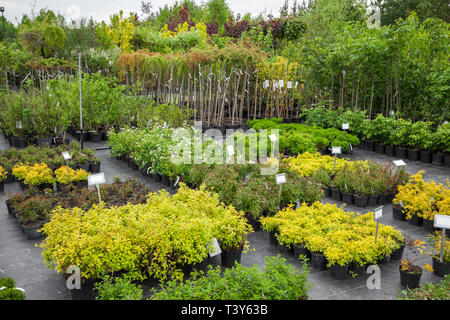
20,259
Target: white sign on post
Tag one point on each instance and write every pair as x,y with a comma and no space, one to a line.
214,248
66,155
281,178
273,137
336,150
281,83
378,213
399,163
266,84
289,84
96,179
19,124
345,126
441,221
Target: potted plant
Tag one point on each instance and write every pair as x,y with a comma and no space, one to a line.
434,241
3,176
441,143
419,137
10,291
410,273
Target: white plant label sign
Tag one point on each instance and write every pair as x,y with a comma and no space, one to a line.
19,125
281,83
399,163
378,213
345,126
336,150
96,179
441,221
281,178
66,155
266,84
214,248
273,137
230,150
289,84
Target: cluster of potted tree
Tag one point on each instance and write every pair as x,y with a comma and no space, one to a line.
166,237
334,239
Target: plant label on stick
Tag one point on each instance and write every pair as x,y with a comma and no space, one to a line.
441,221
66,155
19,125
281,178
336,150
289,84
281,83
214,248
96,179
273,137
399,163
401,204
345,126
378,213
230,150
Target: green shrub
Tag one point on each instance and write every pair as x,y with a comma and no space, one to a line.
10,292
428,291
117,289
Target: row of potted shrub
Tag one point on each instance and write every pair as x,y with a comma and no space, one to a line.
418,201
334,239
164,238
34,208
52,157
421,140
362,183
299,138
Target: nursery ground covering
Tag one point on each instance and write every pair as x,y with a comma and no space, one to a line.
21,260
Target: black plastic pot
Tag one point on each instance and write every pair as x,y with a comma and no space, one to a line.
415,220
356,269
372,200
254,222
327,192
94,167
447,160
370,146
85,167
360,202
409,280
165,180
32,231
338,272
413,154
401,153
230,257
44,186
382,199
273,238
85,136
379,148
441,269
384,260
389,150
397,213
82,184
95,136
398,254
319,261
19,142
10,178
425,156
86,292
362,144
9,207
428,226
2,186
301,250
347,198
336,195
437,159
390,197
158,178
44,142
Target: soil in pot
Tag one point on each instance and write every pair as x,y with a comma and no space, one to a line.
425,156
336,195
409,279
230,257
338,272
397,213
413,154
372,200
440,269
319,261
347,198
360,202
401,153
31,231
